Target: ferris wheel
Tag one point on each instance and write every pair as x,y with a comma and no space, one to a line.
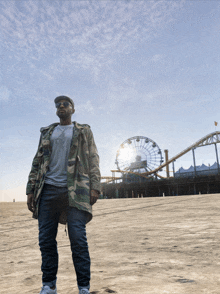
138,154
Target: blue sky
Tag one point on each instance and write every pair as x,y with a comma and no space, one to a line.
147,68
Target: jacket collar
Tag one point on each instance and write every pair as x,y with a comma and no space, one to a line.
78,129
76,125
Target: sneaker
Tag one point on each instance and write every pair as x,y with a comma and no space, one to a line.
84,291
46,290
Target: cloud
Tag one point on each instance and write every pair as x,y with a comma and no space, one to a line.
4,93
120,90
88,34
158,58
85,108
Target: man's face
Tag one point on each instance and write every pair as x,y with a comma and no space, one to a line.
65,112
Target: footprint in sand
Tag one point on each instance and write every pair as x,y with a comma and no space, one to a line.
29,280
110,291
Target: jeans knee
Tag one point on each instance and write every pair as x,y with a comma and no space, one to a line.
77,233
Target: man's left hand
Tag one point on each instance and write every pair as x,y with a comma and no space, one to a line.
94,195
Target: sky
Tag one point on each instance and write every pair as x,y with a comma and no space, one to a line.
133,68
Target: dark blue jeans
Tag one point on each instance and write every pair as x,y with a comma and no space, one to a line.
53,201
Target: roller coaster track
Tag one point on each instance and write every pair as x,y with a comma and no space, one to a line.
210,139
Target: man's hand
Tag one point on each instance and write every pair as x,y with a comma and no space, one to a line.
30,202
94,195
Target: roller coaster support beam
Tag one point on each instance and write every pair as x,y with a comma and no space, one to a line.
173,168
216,151
194,160
167,166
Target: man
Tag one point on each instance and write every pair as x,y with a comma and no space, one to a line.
63,184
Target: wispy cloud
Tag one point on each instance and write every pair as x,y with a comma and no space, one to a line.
4,93
85,107
119,90
88,34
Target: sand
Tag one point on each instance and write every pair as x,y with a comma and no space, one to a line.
145,245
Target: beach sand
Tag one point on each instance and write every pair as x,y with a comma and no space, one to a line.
145,245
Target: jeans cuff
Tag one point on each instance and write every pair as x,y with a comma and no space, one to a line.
50,284
84,287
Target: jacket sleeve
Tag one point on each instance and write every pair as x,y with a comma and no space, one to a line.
94,171
34,170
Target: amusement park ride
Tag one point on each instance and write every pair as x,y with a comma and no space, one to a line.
142,157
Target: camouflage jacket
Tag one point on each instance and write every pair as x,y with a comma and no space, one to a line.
83,172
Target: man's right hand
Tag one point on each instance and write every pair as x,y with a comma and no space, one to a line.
30,202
